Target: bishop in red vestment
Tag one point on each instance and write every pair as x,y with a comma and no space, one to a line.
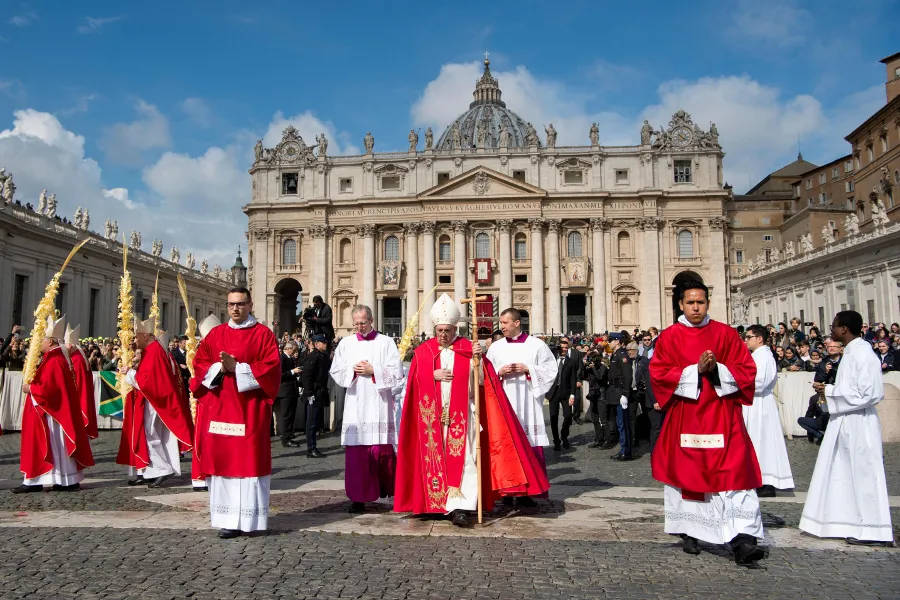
236,376
702,374
55,446
84,381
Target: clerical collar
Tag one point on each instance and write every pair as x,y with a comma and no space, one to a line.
250,322
368,337
518,339
683,320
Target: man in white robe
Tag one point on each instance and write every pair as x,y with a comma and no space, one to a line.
762,420
528,369
848,493
368,365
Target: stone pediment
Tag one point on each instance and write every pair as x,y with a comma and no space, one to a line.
482,182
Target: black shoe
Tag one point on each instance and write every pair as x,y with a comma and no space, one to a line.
227,534
289,444
766,491
66,488
566,444
858,542
508,501
159,481
28,489
690,544
460,518
139,480
578,421
357,507
314,453
746,552
525,502
819,440
198,488
609,445
557,447
595,445
621,457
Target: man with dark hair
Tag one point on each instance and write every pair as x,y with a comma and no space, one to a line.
288,394
848,492
762,420
797,331
623,389
701,375
314,376
562,394
320,319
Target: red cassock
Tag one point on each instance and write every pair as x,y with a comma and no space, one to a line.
233,428
84,383
703,446
53,388
162,388
428,468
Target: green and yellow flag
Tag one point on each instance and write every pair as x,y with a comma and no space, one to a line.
111,401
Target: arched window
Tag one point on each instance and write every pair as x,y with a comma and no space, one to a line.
624,244
289,252
574,244
482,245
444,248
391,248
345,251
685,244
521,250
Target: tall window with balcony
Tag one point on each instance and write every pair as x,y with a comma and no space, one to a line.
682,171
624,245
289,252
574,243
482,245
444,248
391,248
520,249
685,244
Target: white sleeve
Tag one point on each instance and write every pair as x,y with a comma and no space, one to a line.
861,386
543,372
211,374
131,379
245,380
340,372
689,384
727,384
389,372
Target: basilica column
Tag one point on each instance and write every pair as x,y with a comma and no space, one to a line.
536,315
460,270
412,270
318,262
650,315
716,272
554,321
598,270
428,265
368,284
505,264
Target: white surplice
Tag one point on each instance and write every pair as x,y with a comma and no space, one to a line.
526,393
162,446
848,493
369,405
764,424
65,469
468,497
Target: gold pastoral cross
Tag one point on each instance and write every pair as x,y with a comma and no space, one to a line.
476,365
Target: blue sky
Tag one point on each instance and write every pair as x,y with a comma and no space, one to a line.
147,112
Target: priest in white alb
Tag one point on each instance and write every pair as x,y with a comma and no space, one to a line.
848,496
368,365
527,369
762,420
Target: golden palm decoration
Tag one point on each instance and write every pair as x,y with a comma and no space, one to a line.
45,308
154,308
126,324
411,325
191,333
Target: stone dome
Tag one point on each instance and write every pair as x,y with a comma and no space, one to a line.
482,125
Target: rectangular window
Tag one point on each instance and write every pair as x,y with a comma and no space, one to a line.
847,186
822,178
822,198
821,316
808,183
390,182
145,307
848,166
19,298
289,183
346,185
739,256
621,175
443,177
182,316
61,298
767,237
870,153
883,144
573,177
92,312
444,251
682,171
520,277
834,172
851,297
768,252
870,310
164,316
519,175
445,279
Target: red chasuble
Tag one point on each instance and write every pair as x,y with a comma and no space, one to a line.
703,446
163,390
233,427
428,468
53,388
84,383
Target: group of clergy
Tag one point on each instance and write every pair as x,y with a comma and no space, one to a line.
466,413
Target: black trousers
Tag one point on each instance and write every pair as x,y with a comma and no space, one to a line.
287,411
656,418
555,403
607,418
593,414
578,407
312,406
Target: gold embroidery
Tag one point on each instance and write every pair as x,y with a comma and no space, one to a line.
434,474
456,435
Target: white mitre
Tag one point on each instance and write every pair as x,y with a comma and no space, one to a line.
163,338
445,311
207,325
72,335
143,326
56,329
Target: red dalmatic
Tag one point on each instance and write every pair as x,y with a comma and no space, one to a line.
84,383
53,389
703,446
162,388
429,467
233,427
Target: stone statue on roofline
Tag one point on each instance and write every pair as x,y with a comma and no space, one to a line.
789,250
42,202
504,135
369,142
51,206
174,254
594,134
429,139
323,144
879,214
827,234
646,133
851,224
806,244
413,139
551,135
258,151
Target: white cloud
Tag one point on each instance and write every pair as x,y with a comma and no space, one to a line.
120,194
774,22
125,143
198,111
95,24
23,20
309,126
13,89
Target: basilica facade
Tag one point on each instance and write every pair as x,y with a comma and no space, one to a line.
580,238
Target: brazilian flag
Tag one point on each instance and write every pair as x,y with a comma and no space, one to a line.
111,403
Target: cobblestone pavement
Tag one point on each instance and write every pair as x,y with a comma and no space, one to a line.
114,541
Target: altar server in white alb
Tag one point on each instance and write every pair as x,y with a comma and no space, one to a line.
368,365
527,369
848,493
761,418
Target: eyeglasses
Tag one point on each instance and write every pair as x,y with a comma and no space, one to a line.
236,304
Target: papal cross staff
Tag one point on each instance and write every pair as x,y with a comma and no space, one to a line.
476,369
